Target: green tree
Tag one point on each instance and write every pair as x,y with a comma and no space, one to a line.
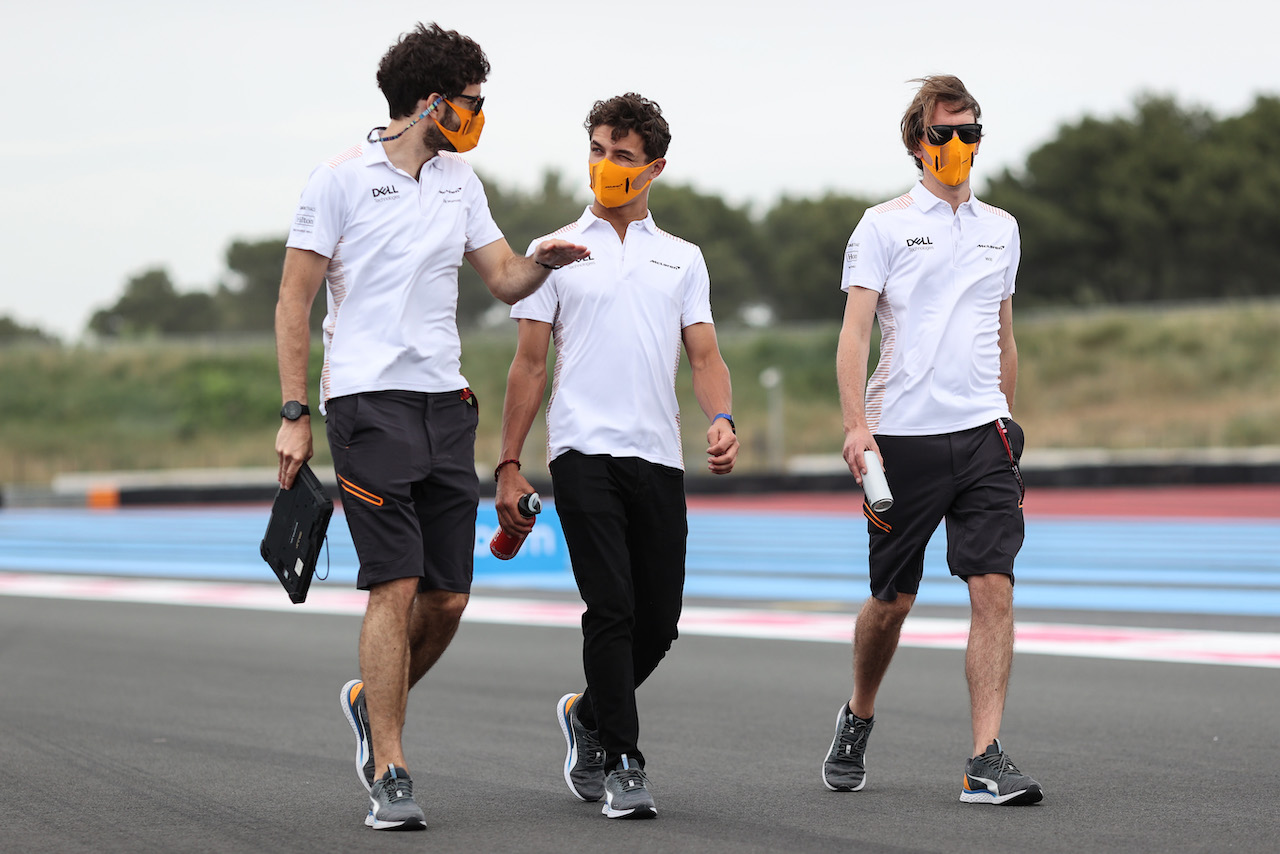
13,332
1235,224
248,302
806,239
1168,203
152,306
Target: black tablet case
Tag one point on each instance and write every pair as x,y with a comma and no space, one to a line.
295,532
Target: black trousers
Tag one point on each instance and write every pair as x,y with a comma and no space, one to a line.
625,523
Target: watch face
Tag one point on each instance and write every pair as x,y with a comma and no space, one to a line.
292,410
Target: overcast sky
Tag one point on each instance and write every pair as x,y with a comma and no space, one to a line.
141,134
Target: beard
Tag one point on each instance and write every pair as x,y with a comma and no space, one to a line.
432,138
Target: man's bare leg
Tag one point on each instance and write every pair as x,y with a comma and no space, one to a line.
432,625
989,656
384,666
875,639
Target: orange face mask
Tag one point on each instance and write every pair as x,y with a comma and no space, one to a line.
950,162
615,185
467,136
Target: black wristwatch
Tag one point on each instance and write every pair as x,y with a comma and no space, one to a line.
293,410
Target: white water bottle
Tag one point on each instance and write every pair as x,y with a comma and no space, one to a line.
874,485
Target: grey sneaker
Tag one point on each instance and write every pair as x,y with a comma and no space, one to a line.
992,778
392,804
626,793
843,769
584,764
353,706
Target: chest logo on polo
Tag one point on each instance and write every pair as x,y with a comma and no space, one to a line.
383,193
919,243
991,250
454,195
664,264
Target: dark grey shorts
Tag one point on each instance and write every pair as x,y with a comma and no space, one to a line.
966,478
406,472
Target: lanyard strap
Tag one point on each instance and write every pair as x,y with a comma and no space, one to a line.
1013,464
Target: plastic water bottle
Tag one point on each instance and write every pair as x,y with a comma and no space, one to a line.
503,545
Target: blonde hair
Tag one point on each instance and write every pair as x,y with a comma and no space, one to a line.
944,88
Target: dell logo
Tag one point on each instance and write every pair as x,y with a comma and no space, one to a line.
919,241
385,191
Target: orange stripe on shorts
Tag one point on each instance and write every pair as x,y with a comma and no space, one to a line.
360,493
876,520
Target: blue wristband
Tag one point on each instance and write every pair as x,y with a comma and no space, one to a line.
727,417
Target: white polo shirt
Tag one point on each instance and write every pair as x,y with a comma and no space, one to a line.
617,318
941,277
394,246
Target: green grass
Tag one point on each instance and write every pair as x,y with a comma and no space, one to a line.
1177,377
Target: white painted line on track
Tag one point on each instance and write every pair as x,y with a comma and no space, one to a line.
1187,646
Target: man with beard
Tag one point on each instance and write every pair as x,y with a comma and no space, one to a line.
387,224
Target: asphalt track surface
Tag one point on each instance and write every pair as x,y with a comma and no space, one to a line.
151,727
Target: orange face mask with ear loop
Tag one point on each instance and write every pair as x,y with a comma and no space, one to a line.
467,136
950,162
614,185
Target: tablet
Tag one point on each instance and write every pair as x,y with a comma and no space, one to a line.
295,532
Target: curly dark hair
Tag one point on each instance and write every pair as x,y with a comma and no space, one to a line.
427,60
631,112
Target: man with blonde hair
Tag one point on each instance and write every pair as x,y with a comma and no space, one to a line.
936,268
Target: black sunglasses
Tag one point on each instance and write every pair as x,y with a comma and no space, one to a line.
477,101
941,134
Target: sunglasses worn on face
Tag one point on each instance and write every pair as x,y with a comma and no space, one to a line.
477,101
941,134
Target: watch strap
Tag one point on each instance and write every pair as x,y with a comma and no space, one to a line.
299,409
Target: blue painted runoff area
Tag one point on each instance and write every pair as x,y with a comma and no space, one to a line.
1171,566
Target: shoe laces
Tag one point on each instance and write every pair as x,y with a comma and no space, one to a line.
1003,764
398,788
853,736
630,778
589,750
